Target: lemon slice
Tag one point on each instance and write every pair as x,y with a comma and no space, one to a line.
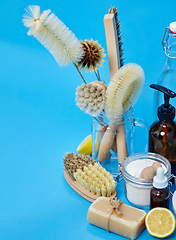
85,147
160,222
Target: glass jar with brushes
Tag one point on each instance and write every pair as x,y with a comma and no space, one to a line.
116,139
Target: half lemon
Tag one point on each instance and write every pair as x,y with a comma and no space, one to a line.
160,222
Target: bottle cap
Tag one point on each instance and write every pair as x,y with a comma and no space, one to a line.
160,180
166,111
173,27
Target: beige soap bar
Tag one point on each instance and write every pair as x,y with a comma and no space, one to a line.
129,224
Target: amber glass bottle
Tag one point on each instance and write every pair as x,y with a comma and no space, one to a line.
159,194
162,133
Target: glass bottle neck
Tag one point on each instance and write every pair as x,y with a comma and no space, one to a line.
170,45
171,62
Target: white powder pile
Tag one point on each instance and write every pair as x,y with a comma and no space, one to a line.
134,168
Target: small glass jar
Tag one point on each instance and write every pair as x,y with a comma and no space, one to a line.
137,190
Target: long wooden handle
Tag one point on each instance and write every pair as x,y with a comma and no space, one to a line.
121,143
112,44
106,142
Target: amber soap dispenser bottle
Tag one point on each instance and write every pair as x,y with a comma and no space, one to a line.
162,133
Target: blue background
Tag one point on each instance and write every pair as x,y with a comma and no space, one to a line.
39,120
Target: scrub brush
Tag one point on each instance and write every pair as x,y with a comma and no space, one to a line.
124,90
83,169
93,56
73,161
113,40
96,180
121,94
54,35
115,58
91,97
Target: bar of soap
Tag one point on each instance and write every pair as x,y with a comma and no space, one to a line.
129,224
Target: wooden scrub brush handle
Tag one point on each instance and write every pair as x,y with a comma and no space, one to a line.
106,142
121,143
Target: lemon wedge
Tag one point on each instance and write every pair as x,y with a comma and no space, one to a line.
85,147
160,222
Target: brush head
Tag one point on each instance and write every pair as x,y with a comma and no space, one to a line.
113,10
73,161
124,90
93,56
53,35
91,98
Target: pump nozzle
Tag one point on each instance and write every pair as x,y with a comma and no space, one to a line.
165,111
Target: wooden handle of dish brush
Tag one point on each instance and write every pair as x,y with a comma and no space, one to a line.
121,143
112,43
106,142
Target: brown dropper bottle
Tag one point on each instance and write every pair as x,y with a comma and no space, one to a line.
162,133
159,194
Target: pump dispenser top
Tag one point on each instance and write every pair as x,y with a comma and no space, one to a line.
166,111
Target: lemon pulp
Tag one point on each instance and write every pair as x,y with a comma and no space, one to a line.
160,222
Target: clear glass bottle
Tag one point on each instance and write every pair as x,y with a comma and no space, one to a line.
168,75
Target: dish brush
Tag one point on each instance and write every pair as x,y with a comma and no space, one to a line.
83,169
91,97
54,35
115,58
121,94
123,90
73,161
93,56
96,180
113,41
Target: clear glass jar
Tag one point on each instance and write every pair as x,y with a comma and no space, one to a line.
113,140
137,190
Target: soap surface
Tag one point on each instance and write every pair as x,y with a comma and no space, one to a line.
129,224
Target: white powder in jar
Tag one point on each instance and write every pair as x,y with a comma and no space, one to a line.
139,194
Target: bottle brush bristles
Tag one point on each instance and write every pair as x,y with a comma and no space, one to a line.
53,35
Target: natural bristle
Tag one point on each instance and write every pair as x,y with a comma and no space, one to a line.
53,35
124,89
96,179
73,162
93,56
90,98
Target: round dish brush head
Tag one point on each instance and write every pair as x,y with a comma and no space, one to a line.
90,98
124,89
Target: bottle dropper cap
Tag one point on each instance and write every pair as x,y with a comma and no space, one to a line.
160,180
173,27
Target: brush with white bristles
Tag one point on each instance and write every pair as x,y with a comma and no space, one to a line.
54,35
124,90
121,94
91,97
